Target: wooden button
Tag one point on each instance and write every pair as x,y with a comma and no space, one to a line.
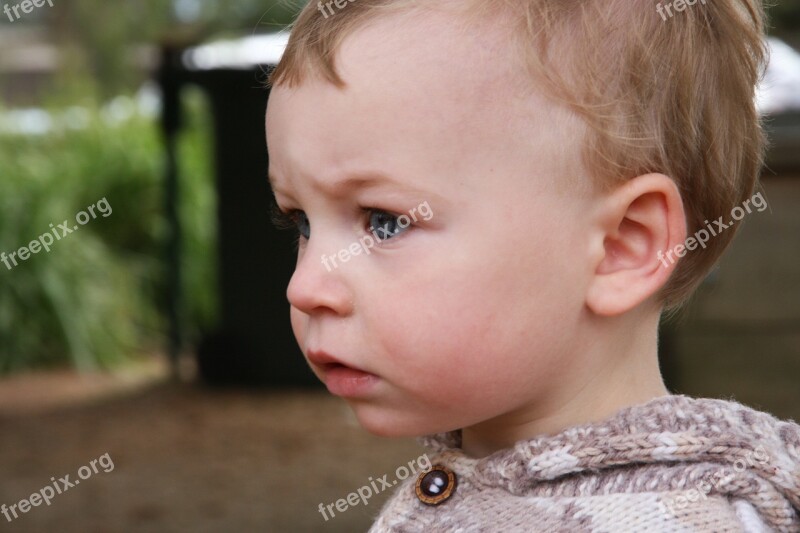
436,485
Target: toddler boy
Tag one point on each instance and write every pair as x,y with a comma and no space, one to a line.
563,148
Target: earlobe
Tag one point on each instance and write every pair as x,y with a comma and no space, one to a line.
639,223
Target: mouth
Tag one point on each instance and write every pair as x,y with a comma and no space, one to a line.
342,379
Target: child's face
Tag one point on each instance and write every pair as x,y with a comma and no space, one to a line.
467,316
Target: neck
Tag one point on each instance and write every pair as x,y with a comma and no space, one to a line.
602,382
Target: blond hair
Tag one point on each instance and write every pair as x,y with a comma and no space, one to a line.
674,96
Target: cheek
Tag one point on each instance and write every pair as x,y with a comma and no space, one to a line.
471,331
447,339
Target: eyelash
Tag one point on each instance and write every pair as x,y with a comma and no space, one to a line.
285,220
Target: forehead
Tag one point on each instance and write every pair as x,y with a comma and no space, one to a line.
431,49
414,80
422,60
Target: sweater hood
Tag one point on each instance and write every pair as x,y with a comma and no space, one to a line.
712,446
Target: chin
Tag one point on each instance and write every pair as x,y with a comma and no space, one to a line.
386,423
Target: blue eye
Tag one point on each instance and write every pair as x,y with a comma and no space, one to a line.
385,225
382,224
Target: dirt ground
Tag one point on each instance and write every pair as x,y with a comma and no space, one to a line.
188,458
185,458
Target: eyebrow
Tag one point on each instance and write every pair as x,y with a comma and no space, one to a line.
359,180
363,181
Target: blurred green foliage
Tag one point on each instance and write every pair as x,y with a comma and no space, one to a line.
100,37
96,298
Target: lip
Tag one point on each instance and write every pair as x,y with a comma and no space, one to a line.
341,378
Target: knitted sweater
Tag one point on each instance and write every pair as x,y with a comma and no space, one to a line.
673,464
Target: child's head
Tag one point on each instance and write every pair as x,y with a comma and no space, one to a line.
560,146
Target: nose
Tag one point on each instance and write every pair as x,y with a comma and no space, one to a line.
316,287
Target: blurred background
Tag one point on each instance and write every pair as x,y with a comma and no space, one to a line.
157,330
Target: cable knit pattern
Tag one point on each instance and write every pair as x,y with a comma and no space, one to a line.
675,464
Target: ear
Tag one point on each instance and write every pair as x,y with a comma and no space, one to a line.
638,226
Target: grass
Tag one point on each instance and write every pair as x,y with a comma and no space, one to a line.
95,299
